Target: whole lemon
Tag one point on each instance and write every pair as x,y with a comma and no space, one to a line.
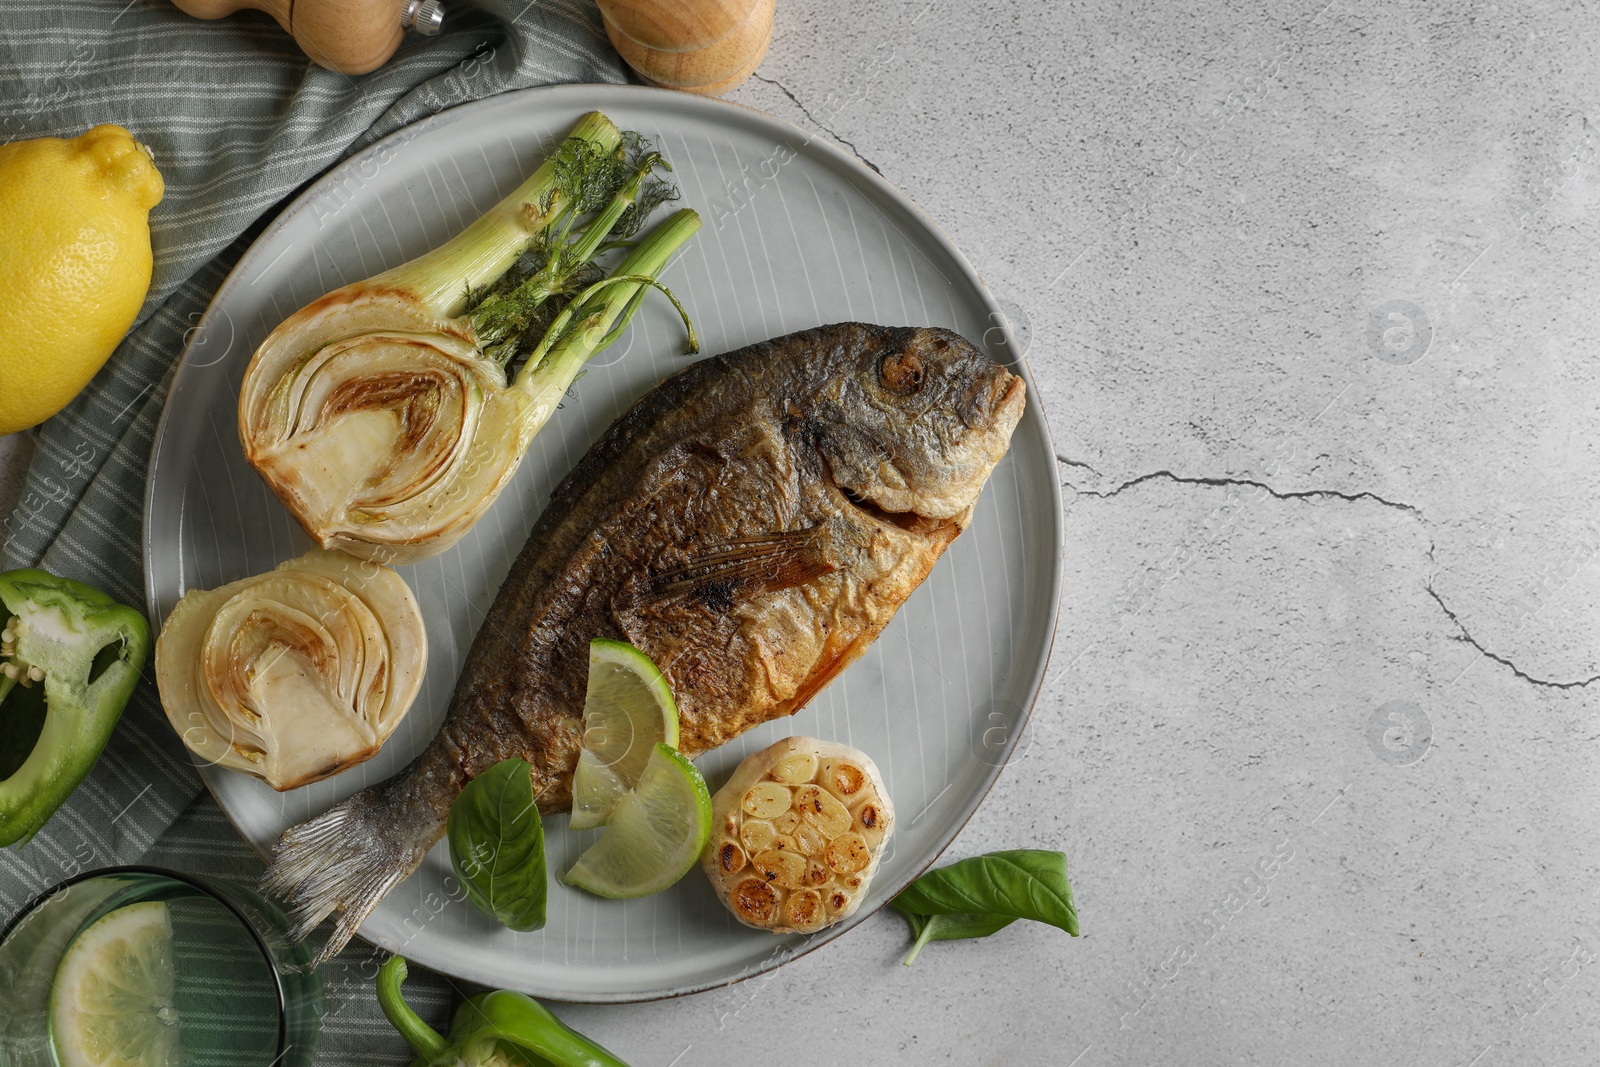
74,263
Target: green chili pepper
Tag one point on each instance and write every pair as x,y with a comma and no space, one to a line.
489,1028
70,657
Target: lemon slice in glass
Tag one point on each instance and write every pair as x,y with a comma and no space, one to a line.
655,833
112,1001
628,709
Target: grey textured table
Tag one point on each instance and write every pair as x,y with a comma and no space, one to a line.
1308,293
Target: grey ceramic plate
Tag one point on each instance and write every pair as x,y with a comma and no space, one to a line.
796,234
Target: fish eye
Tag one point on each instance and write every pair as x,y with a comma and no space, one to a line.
901,371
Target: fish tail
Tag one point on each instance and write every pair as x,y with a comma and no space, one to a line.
346,859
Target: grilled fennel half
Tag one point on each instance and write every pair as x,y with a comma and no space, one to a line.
389,414
296,674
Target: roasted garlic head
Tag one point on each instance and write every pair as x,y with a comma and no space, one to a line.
796,835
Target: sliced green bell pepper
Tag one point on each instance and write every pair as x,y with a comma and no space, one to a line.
496,1029
70,657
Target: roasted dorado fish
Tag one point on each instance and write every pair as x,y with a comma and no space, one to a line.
752,524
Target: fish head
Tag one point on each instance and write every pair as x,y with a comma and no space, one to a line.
914,423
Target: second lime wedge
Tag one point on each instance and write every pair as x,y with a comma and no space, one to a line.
655,833
627,710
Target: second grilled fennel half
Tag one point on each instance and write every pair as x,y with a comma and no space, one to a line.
389,414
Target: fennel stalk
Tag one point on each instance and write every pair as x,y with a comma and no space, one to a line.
389,414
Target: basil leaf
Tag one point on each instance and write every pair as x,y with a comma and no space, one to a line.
925,928
978,896
497,845
1024,883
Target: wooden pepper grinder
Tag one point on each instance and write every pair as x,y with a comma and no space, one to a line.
700,46
349,36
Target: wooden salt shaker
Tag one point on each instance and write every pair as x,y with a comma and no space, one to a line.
700,46
349,36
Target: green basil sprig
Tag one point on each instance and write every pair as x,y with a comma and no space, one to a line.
497,845
979,896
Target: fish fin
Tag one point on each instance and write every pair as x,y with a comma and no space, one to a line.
826,672
776,561
345,859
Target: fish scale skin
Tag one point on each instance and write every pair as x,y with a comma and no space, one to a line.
742,446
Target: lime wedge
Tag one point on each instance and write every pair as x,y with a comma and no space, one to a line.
112,1001
628,708
655,833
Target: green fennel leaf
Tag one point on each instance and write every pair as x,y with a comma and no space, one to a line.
652,194
497,845
605,197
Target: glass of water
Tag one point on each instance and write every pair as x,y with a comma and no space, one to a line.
151,967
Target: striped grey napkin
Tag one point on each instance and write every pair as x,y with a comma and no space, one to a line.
237,119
